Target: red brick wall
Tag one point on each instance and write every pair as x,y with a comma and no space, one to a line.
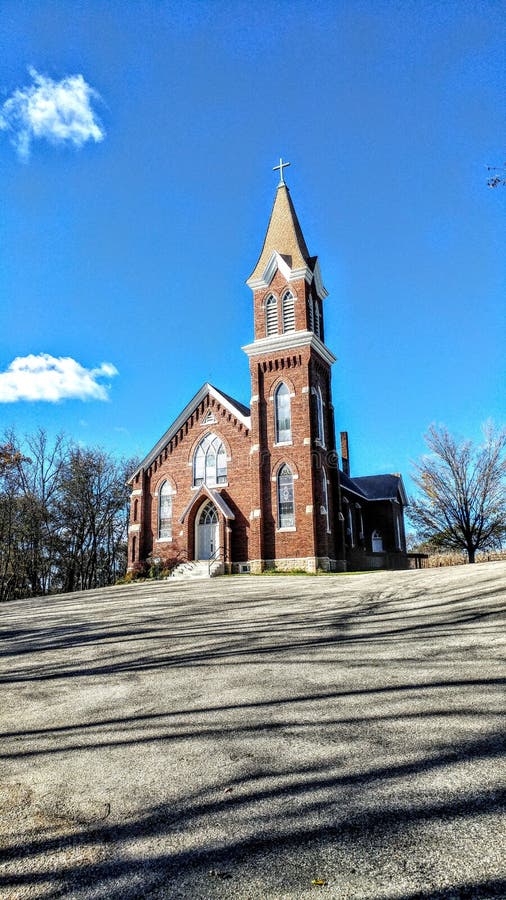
251,492
300,369
175,464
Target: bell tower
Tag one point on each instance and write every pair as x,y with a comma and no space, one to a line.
294,464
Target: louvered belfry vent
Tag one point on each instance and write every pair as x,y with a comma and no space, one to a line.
271,315
288,312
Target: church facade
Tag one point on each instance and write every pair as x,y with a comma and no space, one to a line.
249,488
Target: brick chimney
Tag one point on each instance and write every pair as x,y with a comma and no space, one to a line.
345,453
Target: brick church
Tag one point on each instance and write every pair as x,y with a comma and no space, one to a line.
248,488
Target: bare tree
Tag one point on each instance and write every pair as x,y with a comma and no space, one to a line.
40,479
498,177
12,582
462,502
93,508
63,516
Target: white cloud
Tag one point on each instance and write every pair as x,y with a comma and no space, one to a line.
57,111
52,378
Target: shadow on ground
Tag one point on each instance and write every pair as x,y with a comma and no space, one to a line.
239,739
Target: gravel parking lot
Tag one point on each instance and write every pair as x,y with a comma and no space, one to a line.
247,736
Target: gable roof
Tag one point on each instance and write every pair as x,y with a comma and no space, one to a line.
213,495
382,487
375,487
284,235
245,410
241,412
349,484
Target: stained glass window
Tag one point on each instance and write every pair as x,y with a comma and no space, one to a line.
286,513
165,512
282,414
210,461
325,499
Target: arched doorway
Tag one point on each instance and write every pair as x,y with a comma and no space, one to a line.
207,537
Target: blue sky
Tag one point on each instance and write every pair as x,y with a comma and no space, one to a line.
126,238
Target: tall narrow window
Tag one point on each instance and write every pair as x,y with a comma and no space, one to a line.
282,414
286,512
310,316
210,462
320,427
288,312
325,500
271,315
361,521
317,318
136,509
397,529
349,524
134,548
165,512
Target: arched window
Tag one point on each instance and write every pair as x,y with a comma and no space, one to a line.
310,316
271,315
288,312
320,427
136,509
208,515
165,512
317,318
325,500
286,511
282,414
210,461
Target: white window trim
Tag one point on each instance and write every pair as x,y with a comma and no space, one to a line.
275,396
288,295
278,511
272,325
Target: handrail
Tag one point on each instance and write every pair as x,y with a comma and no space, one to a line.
213,558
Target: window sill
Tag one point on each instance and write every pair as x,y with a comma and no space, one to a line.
288,528
283,444
164,540
210,487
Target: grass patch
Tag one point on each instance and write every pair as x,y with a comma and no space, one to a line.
317,574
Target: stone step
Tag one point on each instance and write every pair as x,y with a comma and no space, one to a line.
197,569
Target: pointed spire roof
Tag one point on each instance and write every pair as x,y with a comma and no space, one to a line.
284,236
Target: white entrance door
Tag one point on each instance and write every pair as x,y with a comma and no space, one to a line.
377,542
208,532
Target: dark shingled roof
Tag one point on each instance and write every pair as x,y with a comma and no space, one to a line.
244,410
375,487
349,484
379,487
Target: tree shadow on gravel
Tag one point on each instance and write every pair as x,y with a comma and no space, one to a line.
277,828
177,633
392,789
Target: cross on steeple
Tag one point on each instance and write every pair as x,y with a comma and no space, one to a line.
281,166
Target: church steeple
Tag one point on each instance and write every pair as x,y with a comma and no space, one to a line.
284,236
292,423
286,282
